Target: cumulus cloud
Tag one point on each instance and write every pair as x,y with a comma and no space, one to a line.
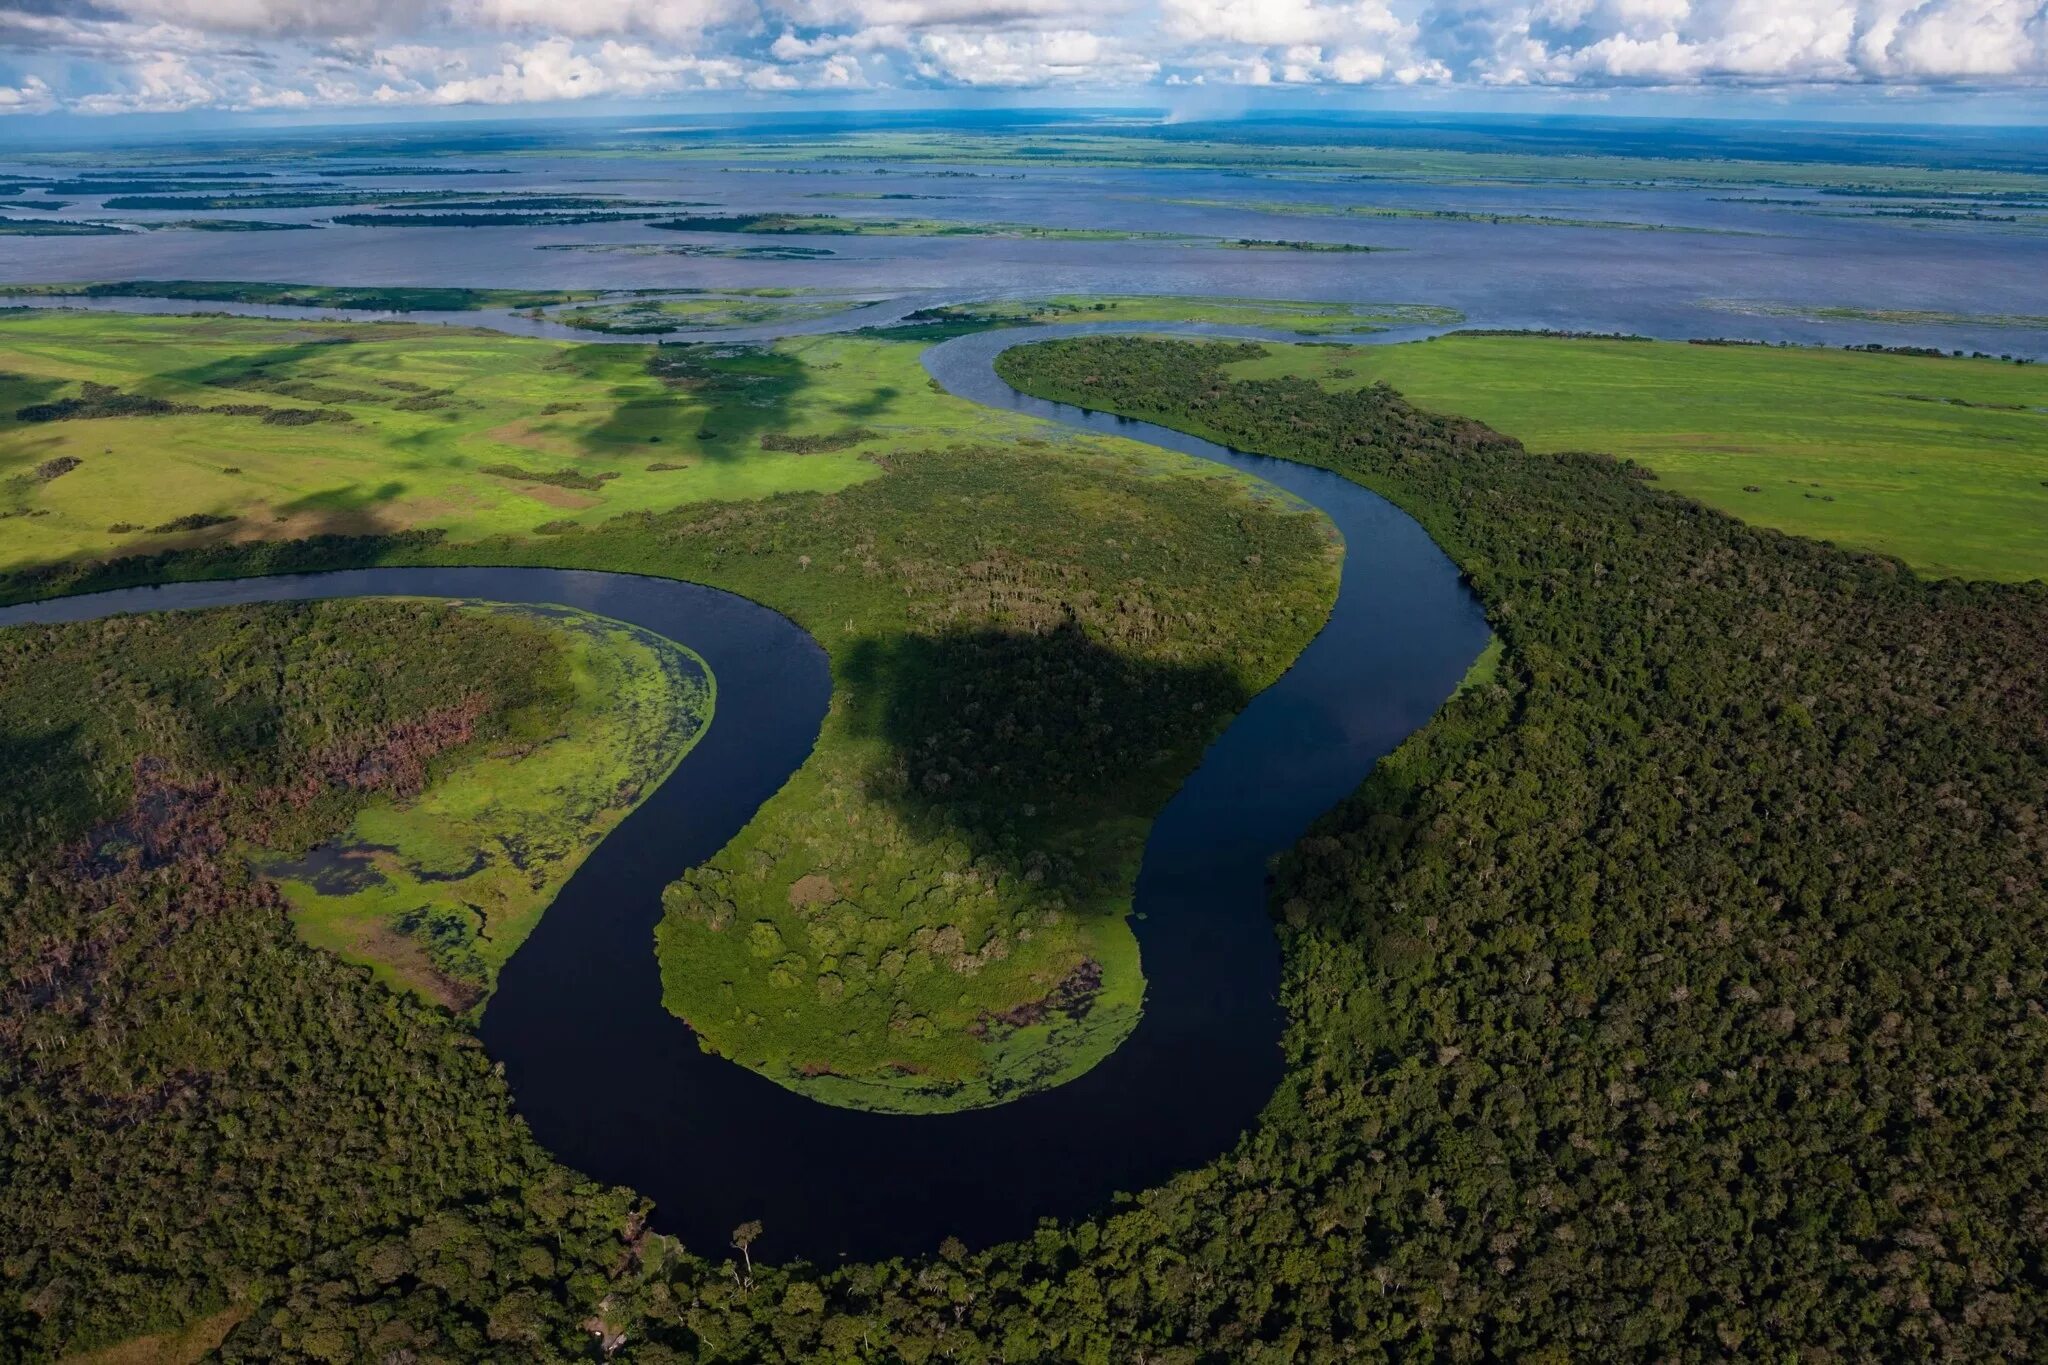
109,56
32,96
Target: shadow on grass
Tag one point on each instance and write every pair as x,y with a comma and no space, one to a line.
1037,749
744,391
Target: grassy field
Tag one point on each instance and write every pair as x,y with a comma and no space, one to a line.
436,892
471,432
931,914
1941,462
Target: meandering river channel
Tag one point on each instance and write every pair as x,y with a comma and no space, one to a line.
618,1088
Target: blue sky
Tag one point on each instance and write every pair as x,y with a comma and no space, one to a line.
302,60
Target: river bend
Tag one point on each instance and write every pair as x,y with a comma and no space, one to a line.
617,1087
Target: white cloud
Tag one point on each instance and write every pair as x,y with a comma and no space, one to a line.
1063,56
108,56
667,19
32,96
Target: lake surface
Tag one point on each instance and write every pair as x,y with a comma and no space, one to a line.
617,1087
1734,252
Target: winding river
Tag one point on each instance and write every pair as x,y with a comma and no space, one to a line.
617,1087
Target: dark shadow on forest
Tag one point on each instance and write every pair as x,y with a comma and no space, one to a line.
46,782
1036,749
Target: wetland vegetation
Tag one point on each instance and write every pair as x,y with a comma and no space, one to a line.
437,889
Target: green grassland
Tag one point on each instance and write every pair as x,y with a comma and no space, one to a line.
469,432
1280,314
1941,462
436,891
932,913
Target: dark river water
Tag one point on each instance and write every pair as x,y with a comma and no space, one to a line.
618,1088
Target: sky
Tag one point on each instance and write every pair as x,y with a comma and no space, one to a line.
1981,60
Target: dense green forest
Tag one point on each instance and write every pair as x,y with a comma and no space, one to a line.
1674,994
194,1097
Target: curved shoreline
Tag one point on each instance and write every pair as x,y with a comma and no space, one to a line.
611,1083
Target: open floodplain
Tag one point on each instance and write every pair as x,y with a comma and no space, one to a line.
1034,740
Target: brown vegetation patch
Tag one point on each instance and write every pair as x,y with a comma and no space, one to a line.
1073,997
813,889
789,444
182,1346
560,497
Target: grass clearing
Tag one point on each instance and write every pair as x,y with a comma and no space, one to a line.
186,1345
436,892
1941,462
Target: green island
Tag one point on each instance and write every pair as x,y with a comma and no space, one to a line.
834,225
380,298
54,227
1724,860
1314,209
777,252
1941,461
1309,319
487,218
344,198
436,890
